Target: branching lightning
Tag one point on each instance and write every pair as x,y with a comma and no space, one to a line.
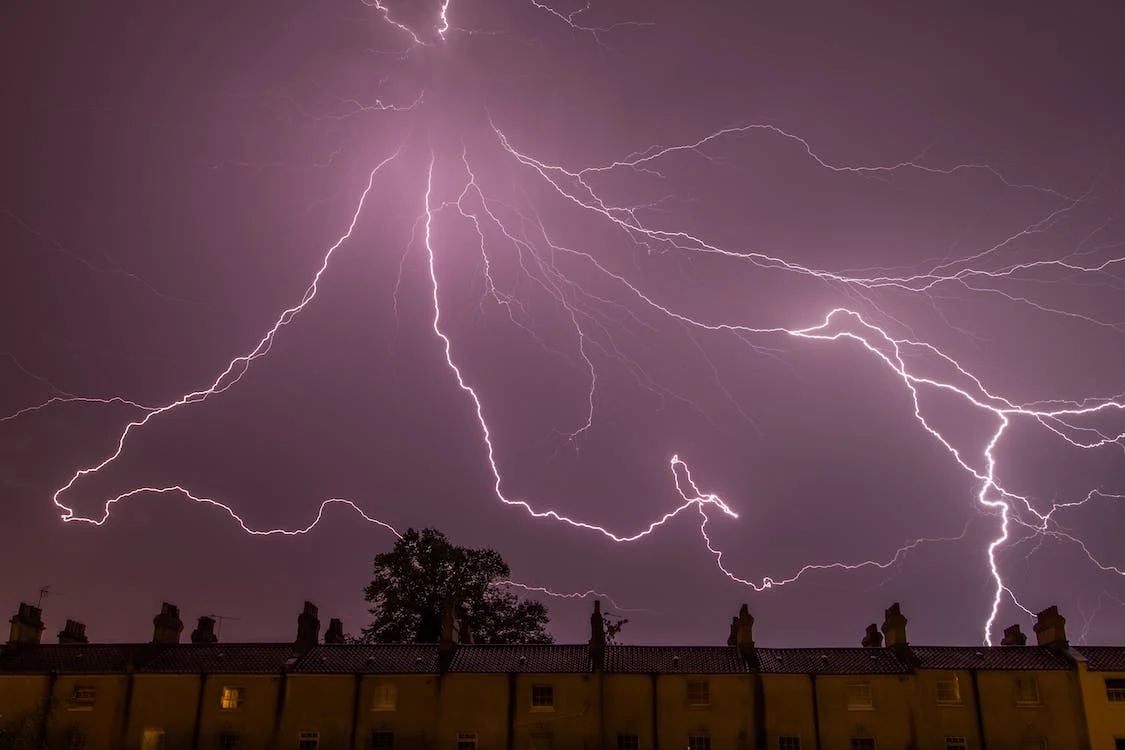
922,368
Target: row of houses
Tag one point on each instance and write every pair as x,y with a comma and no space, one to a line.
312,694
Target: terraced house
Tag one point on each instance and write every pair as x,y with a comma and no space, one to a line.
312,694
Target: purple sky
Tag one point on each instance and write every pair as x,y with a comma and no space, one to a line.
175,174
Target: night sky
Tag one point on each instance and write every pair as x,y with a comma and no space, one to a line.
949,177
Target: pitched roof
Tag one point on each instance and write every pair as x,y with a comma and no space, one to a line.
1103,658
78,658
674,660
990,657
370,659
535,659
830,661
223,658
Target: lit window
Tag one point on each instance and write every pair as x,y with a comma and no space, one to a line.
956,743
863,743
386,697
698,693
542,741
628,742
232,698
542,698
788,743
948,691
1027,691
699,742
1115,690
308,740
859,696
228,742
466,741
1034,743
82,699
382,741
152,739
77,741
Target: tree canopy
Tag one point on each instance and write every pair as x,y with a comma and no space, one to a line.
425,573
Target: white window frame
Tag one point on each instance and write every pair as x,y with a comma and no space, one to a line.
1027,691
152,738
83,698
386,697
956,743
788,742
698,693
1115,689
541,692
232,697
306,736
466,741
860,698
949,692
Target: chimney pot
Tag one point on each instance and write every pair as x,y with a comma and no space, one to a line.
894,626
167,626
308,628
204,631
1050,628
335,632
73,632
1013,636
873,638
27,626
597,637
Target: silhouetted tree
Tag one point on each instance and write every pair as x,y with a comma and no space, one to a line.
612,627
415,582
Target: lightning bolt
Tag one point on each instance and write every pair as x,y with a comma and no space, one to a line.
922,368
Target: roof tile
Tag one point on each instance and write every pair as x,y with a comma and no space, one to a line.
99,658
830,661
674,659
996,658
370,659
1103,658
533,659
223,658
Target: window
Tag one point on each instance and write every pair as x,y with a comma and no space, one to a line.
382,741
628,742
863,743
77,741
1119,744
948,691
542,741
386,697
152,739
859,696
307,740
232,698
82,699
1027,691
699,742
698,693
1115,690
542,698
228,742
467,741
1034,743
788,743
956,743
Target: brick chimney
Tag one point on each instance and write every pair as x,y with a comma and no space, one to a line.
1050,628
873,638
308,628
894,626
1013,636
335,632
73,632
450,637
597,637
167,626
27,626
204,631
744,632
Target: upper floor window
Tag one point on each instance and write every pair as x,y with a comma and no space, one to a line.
628,742
152,739
956,743
542,698
788,743
698,693
859,696
1027,691
232,697
699,742
386,697
949,691
466,741
863,743
82,699
382,741
228,742
307,740
1115,690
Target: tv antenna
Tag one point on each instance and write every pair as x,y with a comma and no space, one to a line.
44,593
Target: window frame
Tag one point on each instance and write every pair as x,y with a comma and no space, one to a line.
956,742
860,697
229,741
466,741
386,697
1022,699
628,741
788,742
697,693
699,742
955,700
382,734
864,743
82,698
540,692
1115,693
152,738
306,736
232,697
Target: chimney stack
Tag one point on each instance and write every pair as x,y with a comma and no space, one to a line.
204,631
335,632
167,626
597,637
894,626
73,632
308,628
873,638
1050,628
27,626
1013,636
744,632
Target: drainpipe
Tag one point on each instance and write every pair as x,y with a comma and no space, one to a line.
815,712
511,711
198,712
980,713
655,713
355,709
52,680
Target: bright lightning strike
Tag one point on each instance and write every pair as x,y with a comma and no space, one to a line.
922,368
